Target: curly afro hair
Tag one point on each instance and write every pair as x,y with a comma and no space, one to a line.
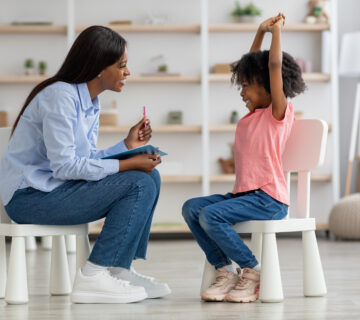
254,66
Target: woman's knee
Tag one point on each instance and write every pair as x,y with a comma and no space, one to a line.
155,175
188,210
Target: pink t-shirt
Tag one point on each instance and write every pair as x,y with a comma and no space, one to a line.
260,140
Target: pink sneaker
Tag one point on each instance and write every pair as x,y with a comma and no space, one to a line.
224,282
247,287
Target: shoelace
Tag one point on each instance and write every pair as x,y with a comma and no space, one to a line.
139,275
123,283
241,283
220,279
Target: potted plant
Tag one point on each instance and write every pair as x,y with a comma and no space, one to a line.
246,14
29,67
42,67
162,68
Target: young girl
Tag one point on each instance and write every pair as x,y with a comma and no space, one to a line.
52,172
267,79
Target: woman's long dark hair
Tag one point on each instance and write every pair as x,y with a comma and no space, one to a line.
95,48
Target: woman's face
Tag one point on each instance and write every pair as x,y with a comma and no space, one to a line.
114,77
254,95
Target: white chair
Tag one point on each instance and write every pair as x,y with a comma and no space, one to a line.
305,150
13,285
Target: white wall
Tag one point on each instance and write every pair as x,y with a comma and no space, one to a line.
348,22
182,52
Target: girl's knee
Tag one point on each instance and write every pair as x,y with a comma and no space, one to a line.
206,218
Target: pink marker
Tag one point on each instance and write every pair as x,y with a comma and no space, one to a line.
144,113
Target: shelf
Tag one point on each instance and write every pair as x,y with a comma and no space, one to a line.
219,178
157,28
33,29
164,79
252,27
177,228
309,77
172,128
149,28
231,178
133,79
181,179
156,129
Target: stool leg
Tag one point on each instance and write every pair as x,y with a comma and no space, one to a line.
16,288
30,243
208,276
270,280
46,242
256,244
2,266
314,281
60,283
82,250
70,243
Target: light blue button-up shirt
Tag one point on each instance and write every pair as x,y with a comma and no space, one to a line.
55,141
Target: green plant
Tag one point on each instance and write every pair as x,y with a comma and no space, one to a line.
29,63
248,10
162,68
42,65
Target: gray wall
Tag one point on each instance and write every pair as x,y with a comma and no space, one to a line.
348,22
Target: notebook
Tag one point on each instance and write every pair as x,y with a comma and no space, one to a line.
146,149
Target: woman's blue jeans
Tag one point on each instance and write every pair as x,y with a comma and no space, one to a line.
126,200
210,219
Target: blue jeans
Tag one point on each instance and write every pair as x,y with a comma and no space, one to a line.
126,199
209,219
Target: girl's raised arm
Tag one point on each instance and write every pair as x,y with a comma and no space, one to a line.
278,98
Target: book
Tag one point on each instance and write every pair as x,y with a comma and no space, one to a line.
146,149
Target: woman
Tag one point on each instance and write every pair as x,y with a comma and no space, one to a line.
53,174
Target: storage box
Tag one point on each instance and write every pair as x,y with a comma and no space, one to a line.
4,119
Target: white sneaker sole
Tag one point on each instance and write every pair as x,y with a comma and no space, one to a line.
99,297
153,294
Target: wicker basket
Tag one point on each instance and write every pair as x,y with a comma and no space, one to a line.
344,220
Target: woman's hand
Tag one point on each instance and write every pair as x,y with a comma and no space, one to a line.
139,134
142,162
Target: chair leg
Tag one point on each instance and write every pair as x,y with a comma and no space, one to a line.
2,267
208,276
60,283
270,280
82,250
70,243
30,243
16,288
256,244
46,242
314,281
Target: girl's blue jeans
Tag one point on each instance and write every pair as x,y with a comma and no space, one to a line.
126,200
210,219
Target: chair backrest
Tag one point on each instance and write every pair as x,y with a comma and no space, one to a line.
4,141
304,151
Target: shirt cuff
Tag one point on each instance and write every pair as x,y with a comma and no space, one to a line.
110,166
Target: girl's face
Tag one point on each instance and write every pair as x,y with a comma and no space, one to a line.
254,95
114,77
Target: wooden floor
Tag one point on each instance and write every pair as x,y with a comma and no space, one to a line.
179,263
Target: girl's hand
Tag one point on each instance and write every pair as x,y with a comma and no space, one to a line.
268,24
139,134
142,162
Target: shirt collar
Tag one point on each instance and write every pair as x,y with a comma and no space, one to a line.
85,99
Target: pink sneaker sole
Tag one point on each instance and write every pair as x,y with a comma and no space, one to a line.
251,298
214,298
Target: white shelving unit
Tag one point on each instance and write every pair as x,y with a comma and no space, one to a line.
201,133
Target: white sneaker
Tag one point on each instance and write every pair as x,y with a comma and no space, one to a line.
104,288
153,288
